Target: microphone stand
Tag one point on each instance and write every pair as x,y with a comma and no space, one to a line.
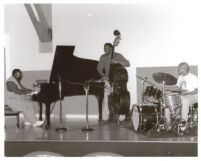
87,128
61,128
143,100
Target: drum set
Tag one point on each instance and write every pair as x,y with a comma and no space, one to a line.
149,115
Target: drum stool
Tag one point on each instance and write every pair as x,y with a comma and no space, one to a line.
9,112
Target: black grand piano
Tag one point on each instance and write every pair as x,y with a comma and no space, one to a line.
73,72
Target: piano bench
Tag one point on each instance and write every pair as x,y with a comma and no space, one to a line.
9,112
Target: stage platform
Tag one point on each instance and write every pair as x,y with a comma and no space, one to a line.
106,138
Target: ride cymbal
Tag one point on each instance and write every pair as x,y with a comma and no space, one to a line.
164,77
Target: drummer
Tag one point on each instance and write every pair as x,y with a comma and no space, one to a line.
187,83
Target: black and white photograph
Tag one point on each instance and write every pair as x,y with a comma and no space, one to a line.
100,79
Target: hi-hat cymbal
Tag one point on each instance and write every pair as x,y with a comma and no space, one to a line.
164,77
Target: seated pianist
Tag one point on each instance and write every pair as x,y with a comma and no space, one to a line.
18,98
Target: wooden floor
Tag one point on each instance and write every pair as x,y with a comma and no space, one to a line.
105,137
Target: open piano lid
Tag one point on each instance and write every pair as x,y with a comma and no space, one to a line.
72,68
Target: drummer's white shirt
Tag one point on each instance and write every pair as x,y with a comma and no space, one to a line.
188,82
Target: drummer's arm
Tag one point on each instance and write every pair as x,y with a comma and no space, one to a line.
173,88
195,91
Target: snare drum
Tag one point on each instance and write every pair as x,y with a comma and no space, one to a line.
144,117
172,101
152,94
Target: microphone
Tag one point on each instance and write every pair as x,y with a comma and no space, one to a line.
116,32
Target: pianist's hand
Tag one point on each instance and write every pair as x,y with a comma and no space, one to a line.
30,94
29,90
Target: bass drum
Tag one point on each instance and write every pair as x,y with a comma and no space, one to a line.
144,117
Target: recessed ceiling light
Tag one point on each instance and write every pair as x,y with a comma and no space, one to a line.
89,14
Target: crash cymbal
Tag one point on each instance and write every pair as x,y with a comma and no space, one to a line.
164,77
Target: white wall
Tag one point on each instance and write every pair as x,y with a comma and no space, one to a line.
153,34
23,41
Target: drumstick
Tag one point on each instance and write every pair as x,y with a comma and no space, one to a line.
146,81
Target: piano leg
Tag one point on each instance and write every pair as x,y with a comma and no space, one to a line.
40,110
47,115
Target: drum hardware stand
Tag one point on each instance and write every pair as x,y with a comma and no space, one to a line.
176,122
192,117
86,88
163,105
181,128
61,128
158,125
143,82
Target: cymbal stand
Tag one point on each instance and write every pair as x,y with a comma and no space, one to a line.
143,82
87,128
166,126
163,88
158,125
61,128
163,100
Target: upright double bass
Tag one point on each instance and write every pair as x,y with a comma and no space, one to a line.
119,99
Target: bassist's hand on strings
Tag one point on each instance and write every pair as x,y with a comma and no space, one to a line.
114,61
